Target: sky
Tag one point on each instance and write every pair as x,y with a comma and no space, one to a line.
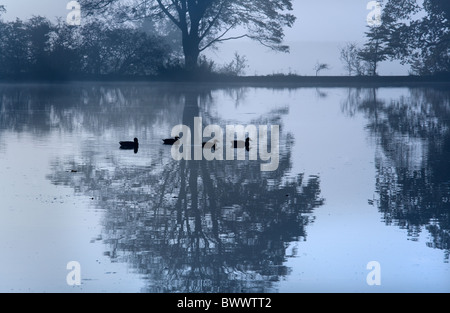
321,29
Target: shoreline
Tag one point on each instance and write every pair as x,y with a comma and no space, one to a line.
282,81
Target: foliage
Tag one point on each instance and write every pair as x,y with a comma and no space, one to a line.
174,69
40,49
376,49
413,164
421,40
353,64
320,66
235,67
205,23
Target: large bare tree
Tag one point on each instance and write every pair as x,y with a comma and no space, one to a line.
204,23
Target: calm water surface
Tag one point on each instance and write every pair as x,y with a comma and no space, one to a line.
363,175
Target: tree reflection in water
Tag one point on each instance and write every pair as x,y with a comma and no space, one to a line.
412,135
187,226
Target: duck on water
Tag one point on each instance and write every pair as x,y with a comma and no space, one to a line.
170,141
210,145
130,145
241,144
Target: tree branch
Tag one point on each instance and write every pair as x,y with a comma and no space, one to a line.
169,15
218,39
216,17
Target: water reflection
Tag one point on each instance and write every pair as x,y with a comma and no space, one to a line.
224,226
412,134
187,226
85,107
206,227
199,226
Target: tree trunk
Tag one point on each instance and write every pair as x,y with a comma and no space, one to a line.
191,60
191,51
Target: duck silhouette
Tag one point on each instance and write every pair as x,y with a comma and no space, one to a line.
241,144
130,145
170,141
210,145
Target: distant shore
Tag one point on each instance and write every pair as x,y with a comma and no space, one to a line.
344,81
278,80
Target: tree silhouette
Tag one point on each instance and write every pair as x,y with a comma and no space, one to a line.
40,49
320,67
351,60
39,30
375,50
421,42
205,23
15,57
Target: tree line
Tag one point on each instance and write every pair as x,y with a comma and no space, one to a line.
180,30
416,34
38,48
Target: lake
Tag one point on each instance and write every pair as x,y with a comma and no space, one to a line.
359,200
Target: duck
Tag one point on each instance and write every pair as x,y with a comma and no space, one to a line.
210,145
129,144
170,141
242,144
